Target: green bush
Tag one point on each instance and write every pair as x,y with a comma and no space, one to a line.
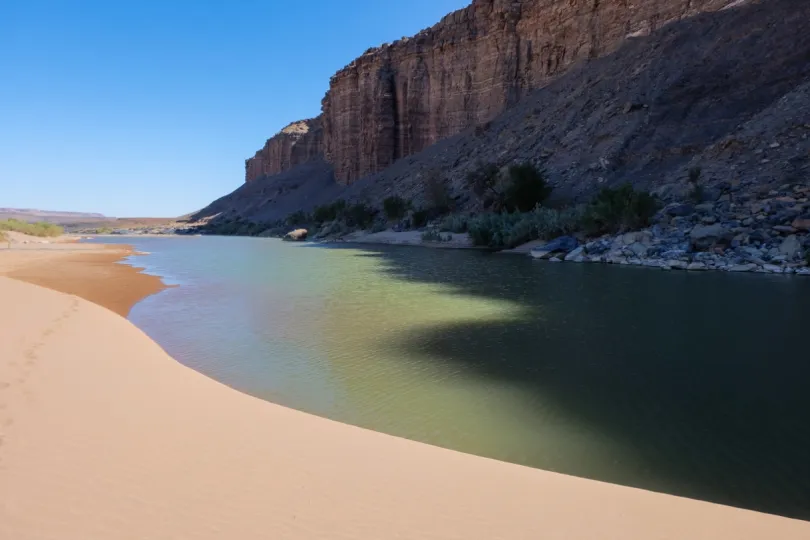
505,230
527,187
329,212
549,222
359,215
436,194
435,236
484,181
298,218
696,192
41,228
419,218
492,230
395,207
620,209
454,223
521,189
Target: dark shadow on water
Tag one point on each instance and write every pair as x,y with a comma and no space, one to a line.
703,376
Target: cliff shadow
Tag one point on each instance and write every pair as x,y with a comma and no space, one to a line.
701,379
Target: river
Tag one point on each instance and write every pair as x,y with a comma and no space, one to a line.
694,384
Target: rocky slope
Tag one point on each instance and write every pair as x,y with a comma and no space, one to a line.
397,99
727,91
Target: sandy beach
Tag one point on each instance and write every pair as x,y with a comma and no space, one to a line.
104,436
85,270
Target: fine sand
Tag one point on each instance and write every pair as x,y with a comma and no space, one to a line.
104,437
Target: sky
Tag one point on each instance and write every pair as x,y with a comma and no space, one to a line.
136,108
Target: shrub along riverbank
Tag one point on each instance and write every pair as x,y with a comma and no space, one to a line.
719,228
41,228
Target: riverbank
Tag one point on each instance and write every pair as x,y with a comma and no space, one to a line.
86,270
106,436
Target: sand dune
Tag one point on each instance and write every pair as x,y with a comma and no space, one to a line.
104,436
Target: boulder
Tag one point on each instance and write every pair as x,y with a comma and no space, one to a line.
696,266
705,236
742,268
791,247
575,255
561,244
802,223
705,208
298,235
639,249
680,210
540,254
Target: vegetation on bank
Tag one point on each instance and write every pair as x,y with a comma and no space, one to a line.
395,208
41,228
514,199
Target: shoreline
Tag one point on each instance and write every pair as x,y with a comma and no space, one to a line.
91,271
106,436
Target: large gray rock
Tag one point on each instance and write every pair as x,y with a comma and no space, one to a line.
791,247
575,255
680,210
742,268
705,236
638,249
561,244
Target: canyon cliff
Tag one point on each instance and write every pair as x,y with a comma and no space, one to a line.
726,92
397,99
296,144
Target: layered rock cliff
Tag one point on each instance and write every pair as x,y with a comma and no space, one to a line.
727,92
397,99
298,143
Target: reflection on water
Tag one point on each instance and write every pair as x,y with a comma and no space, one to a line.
689,384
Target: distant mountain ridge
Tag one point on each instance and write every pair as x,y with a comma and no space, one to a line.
53,216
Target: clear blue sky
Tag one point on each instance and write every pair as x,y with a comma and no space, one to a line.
150,107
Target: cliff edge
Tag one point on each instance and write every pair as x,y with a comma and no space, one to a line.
397,99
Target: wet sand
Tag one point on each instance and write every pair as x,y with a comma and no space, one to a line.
85,270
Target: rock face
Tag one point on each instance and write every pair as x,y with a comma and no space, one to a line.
726,93
397,99
297,143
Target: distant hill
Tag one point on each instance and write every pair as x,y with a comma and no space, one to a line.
30,214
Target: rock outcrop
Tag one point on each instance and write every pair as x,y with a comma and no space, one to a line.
397,99
297,143
726,93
